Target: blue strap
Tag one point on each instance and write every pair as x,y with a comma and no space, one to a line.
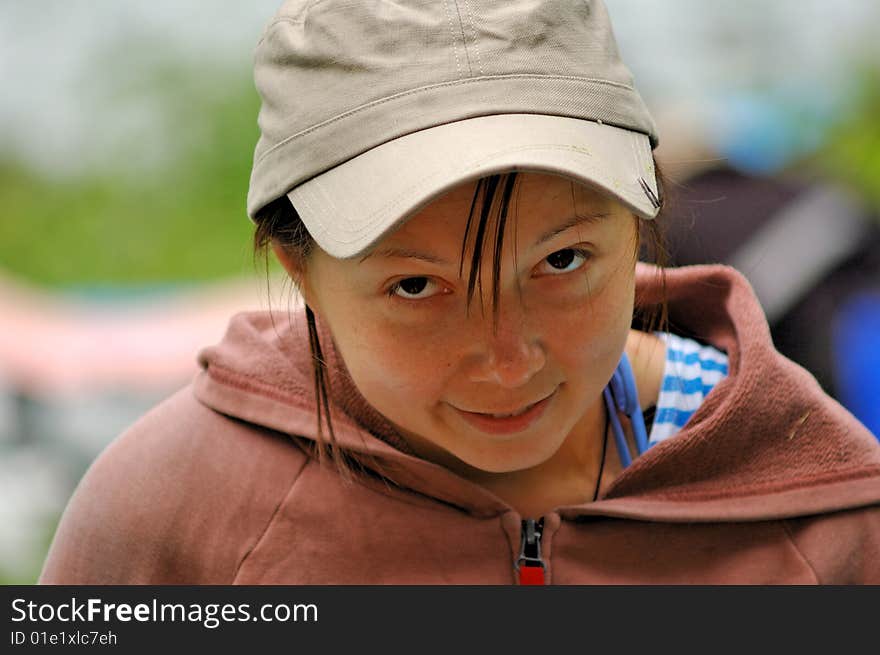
621,395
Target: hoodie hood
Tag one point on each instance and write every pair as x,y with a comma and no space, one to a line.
766,443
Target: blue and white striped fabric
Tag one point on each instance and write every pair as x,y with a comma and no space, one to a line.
692,370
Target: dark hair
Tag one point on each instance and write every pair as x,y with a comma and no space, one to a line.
278,223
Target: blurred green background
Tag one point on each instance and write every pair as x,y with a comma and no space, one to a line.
850,152
183,220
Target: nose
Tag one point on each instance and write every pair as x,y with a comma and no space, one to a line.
510,355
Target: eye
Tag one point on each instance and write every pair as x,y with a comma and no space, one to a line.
413,288
563,261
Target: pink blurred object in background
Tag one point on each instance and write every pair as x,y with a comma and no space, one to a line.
53,344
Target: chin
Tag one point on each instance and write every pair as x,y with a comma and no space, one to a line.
508,456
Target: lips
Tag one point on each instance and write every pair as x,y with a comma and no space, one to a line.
507,422
510,414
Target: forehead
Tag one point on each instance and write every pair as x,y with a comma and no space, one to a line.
538,200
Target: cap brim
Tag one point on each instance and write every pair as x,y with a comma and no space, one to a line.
349,208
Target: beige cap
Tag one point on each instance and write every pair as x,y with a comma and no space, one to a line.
373,109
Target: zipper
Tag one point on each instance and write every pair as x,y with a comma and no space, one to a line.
529,566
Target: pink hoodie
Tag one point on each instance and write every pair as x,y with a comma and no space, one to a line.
771,481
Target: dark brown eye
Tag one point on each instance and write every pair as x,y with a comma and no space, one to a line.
413,286
561,259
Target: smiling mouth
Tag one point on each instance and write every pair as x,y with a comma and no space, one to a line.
518,412
507,422
506,414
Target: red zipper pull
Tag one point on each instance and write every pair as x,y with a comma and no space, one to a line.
529,564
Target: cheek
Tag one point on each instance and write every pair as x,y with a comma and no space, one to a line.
393,369
589,336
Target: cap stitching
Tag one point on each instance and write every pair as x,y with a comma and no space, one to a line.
452,35
328,199
474,32
637,160
303,195
463,37
421,89
274,23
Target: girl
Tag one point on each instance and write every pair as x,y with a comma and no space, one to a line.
475,389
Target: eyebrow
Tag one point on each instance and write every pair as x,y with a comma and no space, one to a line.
405,253
409,253
574,221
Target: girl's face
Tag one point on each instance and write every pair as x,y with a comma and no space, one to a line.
400,321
